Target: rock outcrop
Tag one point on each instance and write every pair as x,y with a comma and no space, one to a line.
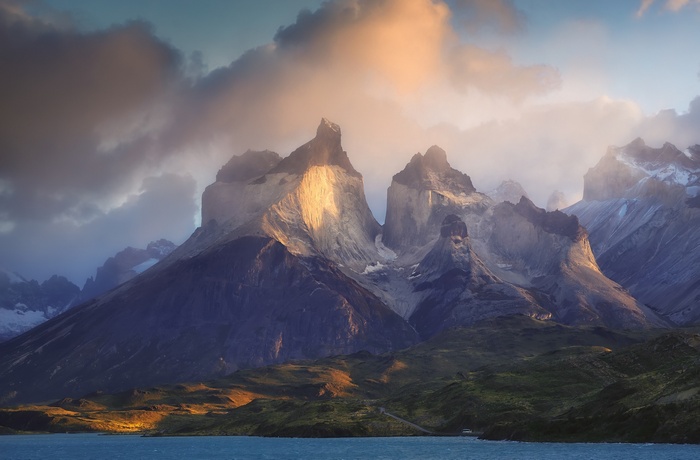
312,201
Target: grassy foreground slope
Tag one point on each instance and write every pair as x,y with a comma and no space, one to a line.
511,378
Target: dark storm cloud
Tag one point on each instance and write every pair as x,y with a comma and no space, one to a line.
60,90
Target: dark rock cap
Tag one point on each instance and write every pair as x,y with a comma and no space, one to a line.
248,166
453,226
551,222
324,149
417,173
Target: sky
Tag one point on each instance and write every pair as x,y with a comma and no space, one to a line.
116,115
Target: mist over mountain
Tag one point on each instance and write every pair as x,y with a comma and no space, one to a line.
508,190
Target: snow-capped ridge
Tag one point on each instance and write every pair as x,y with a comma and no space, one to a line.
637,170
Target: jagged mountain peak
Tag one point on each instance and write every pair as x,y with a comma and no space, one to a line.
556,201
637,170
458,289
328,128
436,159
312,201
642,155
508,190
432,171
324,149
694,152
422,194
640,210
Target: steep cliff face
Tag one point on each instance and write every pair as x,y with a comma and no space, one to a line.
420,196
550,254
639,209
456,287
234,195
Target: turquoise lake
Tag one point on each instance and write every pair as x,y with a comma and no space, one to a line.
93,446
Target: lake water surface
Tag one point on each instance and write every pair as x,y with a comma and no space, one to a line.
93,446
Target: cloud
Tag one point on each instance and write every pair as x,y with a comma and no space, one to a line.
681,129
546,148
163,207
97,128
499,15
59,89
670,5
79,120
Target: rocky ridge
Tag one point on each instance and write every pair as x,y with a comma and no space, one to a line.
639,206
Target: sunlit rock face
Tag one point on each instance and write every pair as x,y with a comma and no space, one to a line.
640,208
312,201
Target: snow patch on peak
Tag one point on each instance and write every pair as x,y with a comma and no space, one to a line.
671,173
373,267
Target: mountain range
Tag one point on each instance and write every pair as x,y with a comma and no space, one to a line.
641,207
25,304
290,263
